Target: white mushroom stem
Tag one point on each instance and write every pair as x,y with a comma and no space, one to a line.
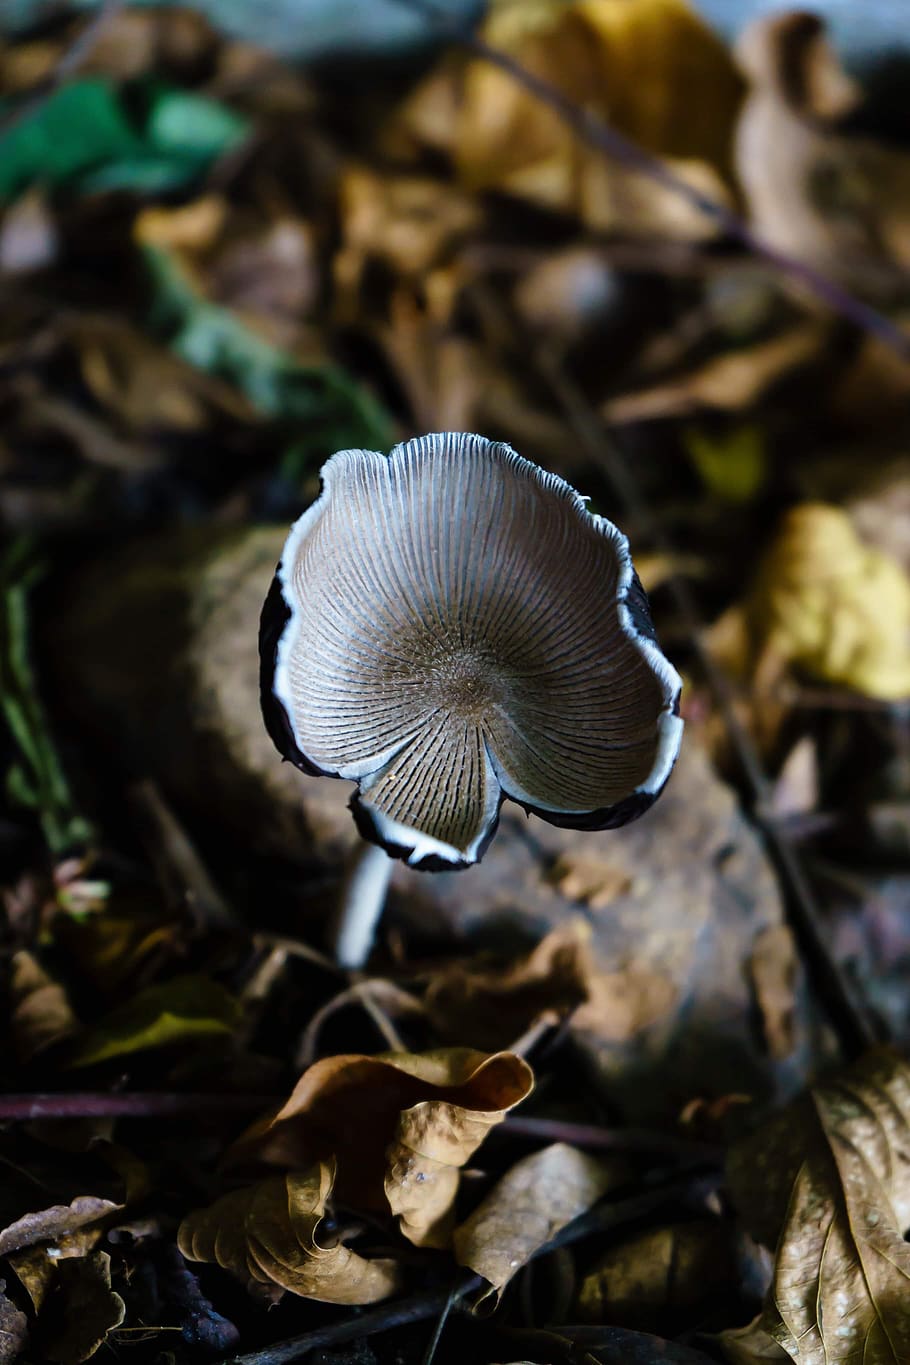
363,896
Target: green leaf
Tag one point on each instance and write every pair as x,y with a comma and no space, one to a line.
37,781
324,405
81,135
733,466
193,127
75,129
173,1012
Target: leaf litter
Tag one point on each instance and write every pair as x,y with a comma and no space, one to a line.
218,267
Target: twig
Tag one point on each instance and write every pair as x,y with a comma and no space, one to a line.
75,55
590,1136
129,1104
182,873
417,1308
834,986
599,134
363,993
438,1330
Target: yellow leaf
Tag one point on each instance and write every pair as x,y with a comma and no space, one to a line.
399,1124
733,465
525,1210
833,606
651,68
841,1287
174,1011
267,1235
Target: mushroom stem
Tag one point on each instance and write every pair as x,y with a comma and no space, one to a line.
361,903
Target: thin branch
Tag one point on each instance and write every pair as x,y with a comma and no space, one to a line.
417,1308
129,1104
433,1344
615,145
72,59
593,1138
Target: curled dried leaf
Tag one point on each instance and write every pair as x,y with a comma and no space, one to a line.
525,1210
399,1124
267,1235
56,1223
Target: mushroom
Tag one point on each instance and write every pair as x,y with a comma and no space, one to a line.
450,626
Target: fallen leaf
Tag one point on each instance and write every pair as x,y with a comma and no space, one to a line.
732,466
729,382
267,1235
636,65
526,1209
81,1309
588,878
41,1012
491,1004
830,605
774,967
639,1280
56,1223
839,203
400,1125
623,1003
830,1178
13,1329
174,1011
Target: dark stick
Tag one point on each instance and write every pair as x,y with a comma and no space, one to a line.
134,1104
594,1138
599,134
74,56
419,1307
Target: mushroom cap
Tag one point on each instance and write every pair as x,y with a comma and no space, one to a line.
450,626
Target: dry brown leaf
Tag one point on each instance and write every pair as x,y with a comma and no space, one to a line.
679,1266
623,1003
56,1224
400,1125
13,1329
525,1210
488,1005
651,68
841,1288
729,382
41,1012
81,1309
588,878
267,1235
409,223
842,204
774,968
